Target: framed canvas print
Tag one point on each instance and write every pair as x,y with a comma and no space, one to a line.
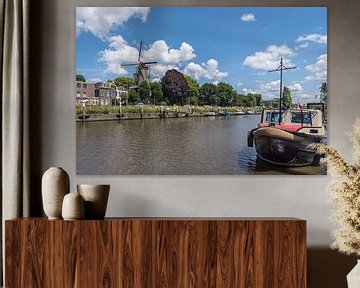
200,90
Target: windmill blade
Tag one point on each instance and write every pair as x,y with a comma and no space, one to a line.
153,62
129,64
141,43
287,68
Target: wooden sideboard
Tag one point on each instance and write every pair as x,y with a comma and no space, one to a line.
156,252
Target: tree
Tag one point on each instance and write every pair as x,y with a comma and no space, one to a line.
144,92
287,100
226,94
250,100
239,100
156,92
133,96
124,82
323,91
80,78
194,90
258,99
208,94
175,87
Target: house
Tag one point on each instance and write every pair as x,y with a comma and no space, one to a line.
99,93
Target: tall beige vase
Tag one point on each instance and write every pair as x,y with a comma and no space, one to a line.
55,185
96,198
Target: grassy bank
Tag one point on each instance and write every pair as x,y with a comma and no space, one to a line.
151,109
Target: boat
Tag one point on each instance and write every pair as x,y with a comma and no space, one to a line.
225,113
210,113
239,113
284,140
249,112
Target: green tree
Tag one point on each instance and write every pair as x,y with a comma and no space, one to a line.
156,92
175,87
124,82
80,78
208,94
144,92
133,96
226,94
258,99
250,100
323,91
194,90
287,100
239,100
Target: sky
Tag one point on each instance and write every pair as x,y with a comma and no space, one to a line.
236,45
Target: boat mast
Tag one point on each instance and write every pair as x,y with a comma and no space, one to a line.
281,68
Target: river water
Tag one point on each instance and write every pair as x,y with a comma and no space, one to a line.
173,146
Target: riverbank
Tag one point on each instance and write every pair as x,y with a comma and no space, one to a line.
137,116
130,112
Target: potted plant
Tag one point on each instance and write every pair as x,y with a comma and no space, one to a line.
345,192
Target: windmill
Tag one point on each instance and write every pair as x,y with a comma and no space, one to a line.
142,72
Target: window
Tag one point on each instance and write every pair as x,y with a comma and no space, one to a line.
296,117
272,117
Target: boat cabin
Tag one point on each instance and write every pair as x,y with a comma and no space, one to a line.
309,121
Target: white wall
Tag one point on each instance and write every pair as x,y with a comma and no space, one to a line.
53,137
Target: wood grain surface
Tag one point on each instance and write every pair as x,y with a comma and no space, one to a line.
157,253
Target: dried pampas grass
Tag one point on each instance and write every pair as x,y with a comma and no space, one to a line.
345,191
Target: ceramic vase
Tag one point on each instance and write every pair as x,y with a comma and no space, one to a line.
73,207
353,278
55,185
96,198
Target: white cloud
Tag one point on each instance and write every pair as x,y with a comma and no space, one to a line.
158,70
271,89
120,52
95,80
248,17
318,70
240,84
100,20
248,90
272,86
160,51
155,80
269,59
296,88
302,46
318,38
208,70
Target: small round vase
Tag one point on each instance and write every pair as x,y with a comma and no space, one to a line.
73,207
55,185
96,198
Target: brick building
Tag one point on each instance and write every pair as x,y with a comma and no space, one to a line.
95,93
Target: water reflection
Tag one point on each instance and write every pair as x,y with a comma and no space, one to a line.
182,146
